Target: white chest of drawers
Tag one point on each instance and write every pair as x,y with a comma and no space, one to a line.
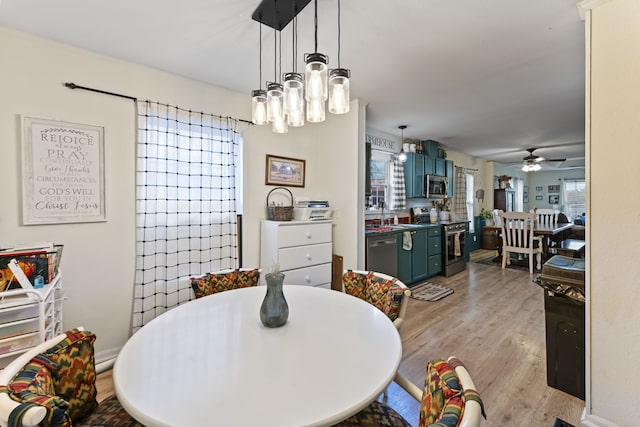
302,250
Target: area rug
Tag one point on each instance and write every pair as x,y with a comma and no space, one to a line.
430,292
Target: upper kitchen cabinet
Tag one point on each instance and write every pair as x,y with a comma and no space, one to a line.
440,167
414,171
449,172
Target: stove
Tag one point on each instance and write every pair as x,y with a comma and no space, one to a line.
454,247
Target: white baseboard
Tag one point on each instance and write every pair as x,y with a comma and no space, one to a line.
590,420
106,359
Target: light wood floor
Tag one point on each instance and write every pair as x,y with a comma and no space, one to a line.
494,323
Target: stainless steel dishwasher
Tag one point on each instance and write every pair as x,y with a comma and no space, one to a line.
382,254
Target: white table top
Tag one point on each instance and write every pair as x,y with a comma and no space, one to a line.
211,362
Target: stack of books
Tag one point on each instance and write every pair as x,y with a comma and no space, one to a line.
29,265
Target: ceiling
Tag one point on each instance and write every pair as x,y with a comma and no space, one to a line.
488,78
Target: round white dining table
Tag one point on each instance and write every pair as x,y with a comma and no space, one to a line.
211,362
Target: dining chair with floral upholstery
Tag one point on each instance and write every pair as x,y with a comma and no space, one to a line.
54,384
224,280
385,292
448,398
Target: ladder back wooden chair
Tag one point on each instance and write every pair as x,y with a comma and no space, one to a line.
517,237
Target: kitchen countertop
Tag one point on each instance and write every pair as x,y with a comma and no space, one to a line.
396,228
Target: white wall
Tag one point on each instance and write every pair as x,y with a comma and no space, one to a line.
613,221
98,260
544,179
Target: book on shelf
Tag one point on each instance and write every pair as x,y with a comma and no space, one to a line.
39,262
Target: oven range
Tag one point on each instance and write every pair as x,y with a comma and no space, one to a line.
453,253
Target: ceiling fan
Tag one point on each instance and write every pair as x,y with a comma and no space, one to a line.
531,163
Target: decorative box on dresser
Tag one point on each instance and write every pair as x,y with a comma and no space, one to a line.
29,317
301,249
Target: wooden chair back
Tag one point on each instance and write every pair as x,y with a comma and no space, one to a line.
517,237
547,216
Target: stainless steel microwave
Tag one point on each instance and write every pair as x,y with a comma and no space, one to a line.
435,186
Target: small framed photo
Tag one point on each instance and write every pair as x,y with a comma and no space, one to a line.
525,194
539,188
554,199
554,189
538,197
284,171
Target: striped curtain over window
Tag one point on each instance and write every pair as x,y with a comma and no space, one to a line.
185,204
460,195
398,193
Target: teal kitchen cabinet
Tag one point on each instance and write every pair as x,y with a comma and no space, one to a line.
440,167
434,251
449,172
429,166
414,175
425,257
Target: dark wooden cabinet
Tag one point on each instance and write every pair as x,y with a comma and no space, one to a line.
504,199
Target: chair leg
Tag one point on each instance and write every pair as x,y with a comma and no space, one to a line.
505,254
531,263
539,260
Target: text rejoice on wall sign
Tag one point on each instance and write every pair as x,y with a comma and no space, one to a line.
63,166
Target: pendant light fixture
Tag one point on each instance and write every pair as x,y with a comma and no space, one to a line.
294,86
259,96
402,156
339,97
275,95
315,75
286,102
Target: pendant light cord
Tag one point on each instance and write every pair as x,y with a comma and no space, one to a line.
315,24
339,34
260,61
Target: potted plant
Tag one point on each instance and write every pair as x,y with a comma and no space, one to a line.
488,217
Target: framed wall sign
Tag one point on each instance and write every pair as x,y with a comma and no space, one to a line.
284,171
554,199
62,172
554,188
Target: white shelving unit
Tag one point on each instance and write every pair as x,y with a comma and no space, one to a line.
29,317
302,250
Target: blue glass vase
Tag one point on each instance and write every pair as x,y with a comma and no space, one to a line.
274,311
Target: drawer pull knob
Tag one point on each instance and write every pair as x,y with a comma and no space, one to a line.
307,235
307,279
309,257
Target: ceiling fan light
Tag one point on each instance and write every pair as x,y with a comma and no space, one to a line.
315,77
259,107
339,97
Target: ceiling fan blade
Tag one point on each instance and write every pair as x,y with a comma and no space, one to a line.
555,160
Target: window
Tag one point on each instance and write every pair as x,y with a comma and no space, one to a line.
380,164
574,197
469,201
186,222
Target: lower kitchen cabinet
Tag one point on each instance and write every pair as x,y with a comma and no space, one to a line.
434,249
425,257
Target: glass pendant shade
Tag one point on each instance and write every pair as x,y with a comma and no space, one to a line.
315,111
294,99
275,99
280,125
339,97
259,107
315,76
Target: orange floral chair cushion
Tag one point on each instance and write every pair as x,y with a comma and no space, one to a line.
384,294
62,379
212,283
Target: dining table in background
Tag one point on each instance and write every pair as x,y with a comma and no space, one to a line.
549,232
212,362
